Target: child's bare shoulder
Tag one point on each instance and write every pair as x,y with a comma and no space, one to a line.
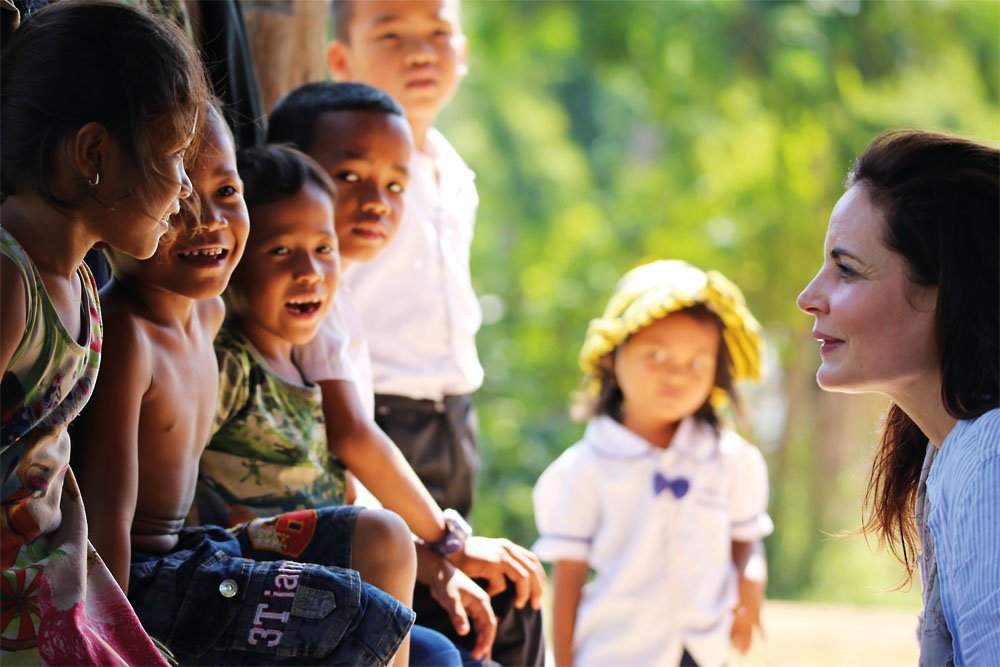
127,346
211,313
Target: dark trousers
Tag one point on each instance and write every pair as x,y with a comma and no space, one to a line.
439,439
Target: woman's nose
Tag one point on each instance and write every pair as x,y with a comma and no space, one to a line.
809,299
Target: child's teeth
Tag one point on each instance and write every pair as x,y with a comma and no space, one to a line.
205,253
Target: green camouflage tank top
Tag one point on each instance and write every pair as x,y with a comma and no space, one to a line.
268,454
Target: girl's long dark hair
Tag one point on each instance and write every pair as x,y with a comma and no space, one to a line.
75,62
940,197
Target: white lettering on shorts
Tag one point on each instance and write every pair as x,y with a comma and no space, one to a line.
270,619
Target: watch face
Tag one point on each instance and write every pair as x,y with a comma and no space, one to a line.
457,531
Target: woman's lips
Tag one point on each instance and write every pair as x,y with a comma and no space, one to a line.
827,344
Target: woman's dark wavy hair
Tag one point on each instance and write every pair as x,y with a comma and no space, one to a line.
940,198
80,61
610,399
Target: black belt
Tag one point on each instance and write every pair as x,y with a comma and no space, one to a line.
386,403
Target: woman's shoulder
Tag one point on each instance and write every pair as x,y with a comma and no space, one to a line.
976,439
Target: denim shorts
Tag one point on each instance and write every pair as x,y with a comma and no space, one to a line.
270,591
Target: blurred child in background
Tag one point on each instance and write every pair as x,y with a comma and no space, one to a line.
658,498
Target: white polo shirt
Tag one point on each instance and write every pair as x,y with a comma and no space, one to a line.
416,300
664,577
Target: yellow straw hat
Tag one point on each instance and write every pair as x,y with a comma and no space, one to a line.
652,291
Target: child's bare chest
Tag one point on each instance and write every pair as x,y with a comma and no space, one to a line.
180,402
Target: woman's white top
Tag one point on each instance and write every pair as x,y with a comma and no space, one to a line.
656,526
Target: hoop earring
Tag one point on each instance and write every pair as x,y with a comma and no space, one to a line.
97,179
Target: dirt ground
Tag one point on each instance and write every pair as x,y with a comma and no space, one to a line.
802,634
815,634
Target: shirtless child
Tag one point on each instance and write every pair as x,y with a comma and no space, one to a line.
221,597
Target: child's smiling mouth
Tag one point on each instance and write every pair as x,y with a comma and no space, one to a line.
206,257
305,307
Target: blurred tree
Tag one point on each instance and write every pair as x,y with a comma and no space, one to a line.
605,133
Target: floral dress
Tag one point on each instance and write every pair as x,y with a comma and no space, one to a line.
59,603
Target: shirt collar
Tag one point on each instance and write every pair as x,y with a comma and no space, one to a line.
609,439
438,154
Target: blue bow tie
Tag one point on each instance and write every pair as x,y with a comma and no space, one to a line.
678,486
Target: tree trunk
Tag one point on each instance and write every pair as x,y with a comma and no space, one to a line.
289,39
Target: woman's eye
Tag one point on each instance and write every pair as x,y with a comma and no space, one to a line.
845,271
396,188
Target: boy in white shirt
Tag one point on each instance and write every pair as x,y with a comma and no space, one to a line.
358,135
416,299
424,361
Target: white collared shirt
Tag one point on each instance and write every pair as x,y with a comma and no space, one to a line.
339,351
662,560
416,300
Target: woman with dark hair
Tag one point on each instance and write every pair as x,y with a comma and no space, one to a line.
906,305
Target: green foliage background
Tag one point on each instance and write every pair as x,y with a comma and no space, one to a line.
605,133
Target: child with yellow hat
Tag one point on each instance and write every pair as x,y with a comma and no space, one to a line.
663,503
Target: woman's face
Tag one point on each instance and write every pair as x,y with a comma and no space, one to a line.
876,328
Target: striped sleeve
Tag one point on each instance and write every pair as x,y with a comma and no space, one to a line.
970,571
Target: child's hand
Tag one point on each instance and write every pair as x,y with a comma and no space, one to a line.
499,559
747,614
464,600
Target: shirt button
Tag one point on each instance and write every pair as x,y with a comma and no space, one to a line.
228,588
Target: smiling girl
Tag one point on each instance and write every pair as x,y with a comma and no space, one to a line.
99,102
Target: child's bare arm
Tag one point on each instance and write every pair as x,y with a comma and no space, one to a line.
375,460
14,313
751,567
568,578
109,476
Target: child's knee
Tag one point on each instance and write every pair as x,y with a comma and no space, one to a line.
382,539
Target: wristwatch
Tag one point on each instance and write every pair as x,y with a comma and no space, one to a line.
456,531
